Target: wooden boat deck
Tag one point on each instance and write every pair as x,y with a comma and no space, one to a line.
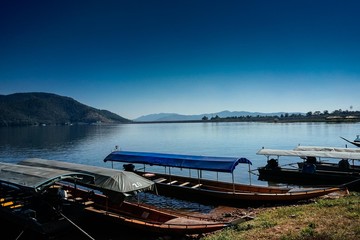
142,216
214,185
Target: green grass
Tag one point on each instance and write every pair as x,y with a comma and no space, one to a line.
329,219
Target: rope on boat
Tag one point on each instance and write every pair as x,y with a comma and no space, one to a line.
253,172
349,183
19,235
294,165
88,235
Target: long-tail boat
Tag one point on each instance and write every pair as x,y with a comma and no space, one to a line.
102,205
356,141
210,191
342,164
308,175
29,203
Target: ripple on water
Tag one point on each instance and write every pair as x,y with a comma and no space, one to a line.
171,203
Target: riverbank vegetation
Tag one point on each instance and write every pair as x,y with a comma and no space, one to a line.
317,116
324,218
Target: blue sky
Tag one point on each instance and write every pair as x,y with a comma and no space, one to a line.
184,56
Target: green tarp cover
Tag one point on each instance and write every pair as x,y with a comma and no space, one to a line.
105,178
36,178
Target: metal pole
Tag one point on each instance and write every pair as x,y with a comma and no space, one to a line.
249,174
232,174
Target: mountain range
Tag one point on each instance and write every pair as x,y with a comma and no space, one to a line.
46,108
164,117
37,108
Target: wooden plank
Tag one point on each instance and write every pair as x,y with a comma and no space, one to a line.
87,203
160,180
184,184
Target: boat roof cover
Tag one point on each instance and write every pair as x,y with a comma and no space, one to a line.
331,149
302,154
105,178
35,178
219,164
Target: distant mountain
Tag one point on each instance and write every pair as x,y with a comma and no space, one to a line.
47,108
163,117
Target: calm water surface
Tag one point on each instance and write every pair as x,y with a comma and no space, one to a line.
91,144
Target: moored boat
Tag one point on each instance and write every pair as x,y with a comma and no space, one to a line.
99,201
143,217
29,202
207,190
356,141
308,175
342,164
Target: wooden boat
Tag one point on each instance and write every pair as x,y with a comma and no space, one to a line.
103,205
309,175
342,165
356,142
28,201
207,190
138,216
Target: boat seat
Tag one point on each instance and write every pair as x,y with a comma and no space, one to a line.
69,195
7,204
5,199
184,184
160,180
87,203
172,182
197,185
148,175
16,206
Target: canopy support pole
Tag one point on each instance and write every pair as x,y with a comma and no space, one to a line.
249,174
18,237
233,182
198,172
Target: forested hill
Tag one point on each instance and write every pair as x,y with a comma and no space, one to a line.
46,108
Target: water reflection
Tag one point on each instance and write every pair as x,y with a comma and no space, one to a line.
51,142
89,144
43,137
171,203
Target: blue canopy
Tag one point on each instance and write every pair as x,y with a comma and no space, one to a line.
219,164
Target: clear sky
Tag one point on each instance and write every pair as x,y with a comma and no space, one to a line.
139,57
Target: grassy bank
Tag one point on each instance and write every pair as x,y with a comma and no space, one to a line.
323,219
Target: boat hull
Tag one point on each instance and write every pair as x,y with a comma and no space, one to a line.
320,178
223,193
142,217
332,167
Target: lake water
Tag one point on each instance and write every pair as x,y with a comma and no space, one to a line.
90,144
